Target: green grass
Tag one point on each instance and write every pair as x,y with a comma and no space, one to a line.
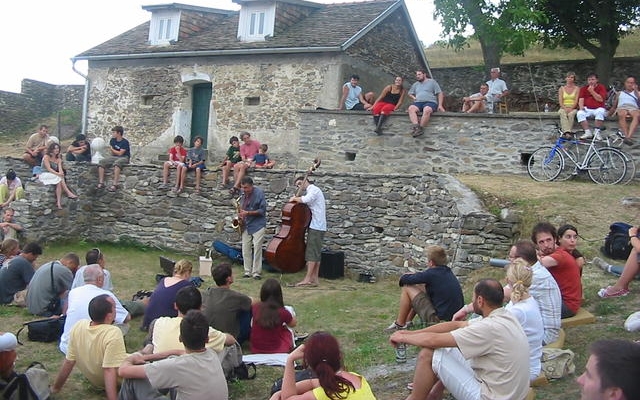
357,312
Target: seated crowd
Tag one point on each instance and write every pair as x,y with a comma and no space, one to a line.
187,334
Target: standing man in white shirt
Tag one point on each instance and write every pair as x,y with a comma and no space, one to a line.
314,198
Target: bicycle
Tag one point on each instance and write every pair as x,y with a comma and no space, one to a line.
617,143
604,165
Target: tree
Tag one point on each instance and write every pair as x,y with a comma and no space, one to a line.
595,25
498,26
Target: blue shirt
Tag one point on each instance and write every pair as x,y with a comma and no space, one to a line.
254,202
120,145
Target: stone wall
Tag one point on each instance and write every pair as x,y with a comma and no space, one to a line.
528,82
37,100
381,222
452,143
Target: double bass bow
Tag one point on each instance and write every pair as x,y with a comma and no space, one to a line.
285,251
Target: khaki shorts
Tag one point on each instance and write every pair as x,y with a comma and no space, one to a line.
110,161
313,253
422,305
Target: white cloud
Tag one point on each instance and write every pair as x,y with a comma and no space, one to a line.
41,36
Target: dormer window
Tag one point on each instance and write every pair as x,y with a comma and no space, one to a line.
164,27
256,21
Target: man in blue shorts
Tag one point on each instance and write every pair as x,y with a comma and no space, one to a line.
427,98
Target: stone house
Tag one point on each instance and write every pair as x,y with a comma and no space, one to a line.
210,72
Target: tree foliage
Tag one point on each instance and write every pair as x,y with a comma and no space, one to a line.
512,26
595,25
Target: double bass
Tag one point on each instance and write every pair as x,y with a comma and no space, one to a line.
285,251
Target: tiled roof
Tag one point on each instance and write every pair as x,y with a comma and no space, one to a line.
328,26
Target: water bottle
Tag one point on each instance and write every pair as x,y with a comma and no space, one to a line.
546,107
401,353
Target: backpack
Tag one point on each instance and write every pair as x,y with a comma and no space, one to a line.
233,366
616,243
33,384
226,250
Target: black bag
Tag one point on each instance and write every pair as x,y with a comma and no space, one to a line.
617,244
33,384
232,365
44,330
54,306
300,376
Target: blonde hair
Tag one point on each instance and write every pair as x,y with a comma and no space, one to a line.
8,245
519,276
437,254
182,267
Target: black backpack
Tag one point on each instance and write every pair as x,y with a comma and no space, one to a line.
616,244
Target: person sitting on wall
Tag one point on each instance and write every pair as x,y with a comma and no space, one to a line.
36,146
79,149
231,158
10,188
196,158
352,98
477,102
120,151
248,149
627,105
568,101
262,159
177,157
427,98
390,100
591,104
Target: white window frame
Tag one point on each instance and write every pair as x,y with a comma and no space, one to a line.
164,27
254,17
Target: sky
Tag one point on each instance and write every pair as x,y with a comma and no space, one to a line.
41,36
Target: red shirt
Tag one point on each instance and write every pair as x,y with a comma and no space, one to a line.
567,276
247,151
175,156
589,101
269,341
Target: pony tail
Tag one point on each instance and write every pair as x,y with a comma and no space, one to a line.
518,291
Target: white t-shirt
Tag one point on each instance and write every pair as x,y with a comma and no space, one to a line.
527,313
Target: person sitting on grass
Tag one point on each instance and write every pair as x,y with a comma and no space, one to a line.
177,156
270,331
97,347
526,310
164,332
568,240
196,158
321,353
10,188
262,159
483,359
9,228
9,248
434,294
631,269
195,375
612,371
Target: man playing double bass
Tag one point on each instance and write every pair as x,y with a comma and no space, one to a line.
253,214
314,199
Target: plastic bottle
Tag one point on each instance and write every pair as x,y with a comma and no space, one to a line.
401,353
546,107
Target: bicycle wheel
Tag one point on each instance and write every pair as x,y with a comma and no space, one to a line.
631,168
545,164
607,166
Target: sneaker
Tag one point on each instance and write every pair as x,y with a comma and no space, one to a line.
620,134
257,277
600,263
587,135
300,336
246,275
394,327
597,134
606,293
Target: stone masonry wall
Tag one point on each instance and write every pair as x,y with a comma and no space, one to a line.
452,143
527,81
381,222
37,100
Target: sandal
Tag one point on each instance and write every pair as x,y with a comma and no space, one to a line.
112,188
100,186
605,293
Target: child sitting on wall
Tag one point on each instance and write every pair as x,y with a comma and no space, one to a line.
262,160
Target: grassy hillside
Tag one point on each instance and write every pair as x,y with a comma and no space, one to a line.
440,56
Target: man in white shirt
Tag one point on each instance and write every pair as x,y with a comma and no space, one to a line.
81,296
497,89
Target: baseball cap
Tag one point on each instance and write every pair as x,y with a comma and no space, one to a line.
8,342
